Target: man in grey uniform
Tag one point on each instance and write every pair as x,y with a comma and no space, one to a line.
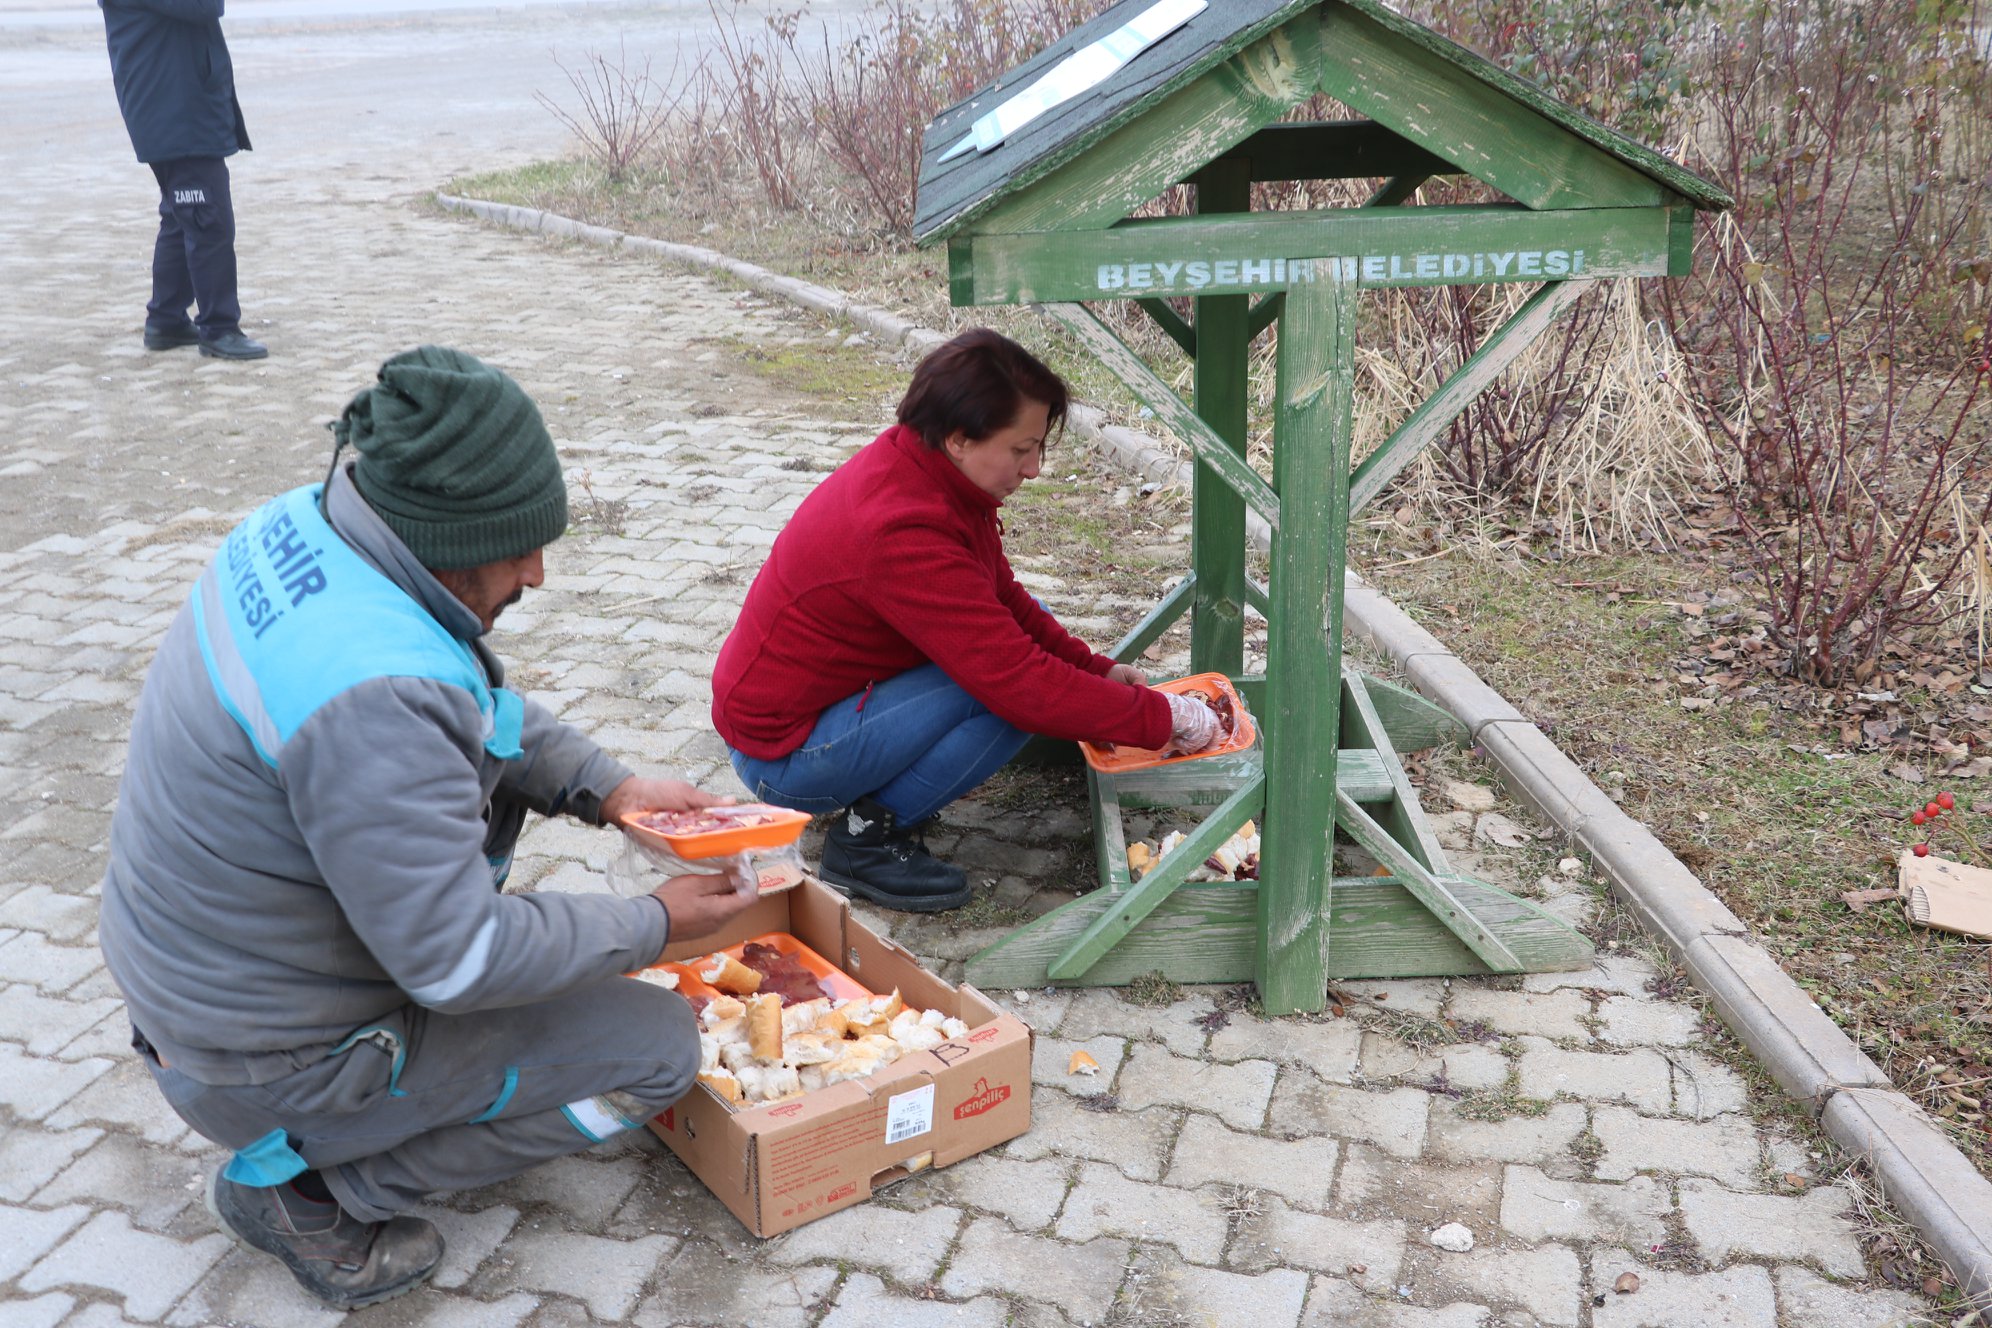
325,783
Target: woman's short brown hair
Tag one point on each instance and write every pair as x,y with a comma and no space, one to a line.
976,384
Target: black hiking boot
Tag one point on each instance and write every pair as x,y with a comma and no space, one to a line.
341,1260
869,854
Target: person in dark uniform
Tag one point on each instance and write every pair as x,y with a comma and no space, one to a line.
176,88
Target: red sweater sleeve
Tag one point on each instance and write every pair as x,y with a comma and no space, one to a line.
1028,670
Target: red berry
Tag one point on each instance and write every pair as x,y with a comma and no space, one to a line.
1920,850
1946,801
1932,810
1917,818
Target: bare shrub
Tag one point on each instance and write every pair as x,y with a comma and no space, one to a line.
623,109
1823,335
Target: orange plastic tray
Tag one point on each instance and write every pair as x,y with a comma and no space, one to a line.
836,983
1114,760
782,827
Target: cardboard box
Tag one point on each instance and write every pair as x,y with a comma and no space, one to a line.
778,1165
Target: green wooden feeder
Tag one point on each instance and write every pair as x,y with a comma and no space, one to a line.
1031,183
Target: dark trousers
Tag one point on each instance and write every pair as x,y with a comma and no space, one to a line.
193,260
419,1102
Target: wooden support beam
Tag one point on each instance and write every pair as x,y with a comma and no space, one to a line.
1263,313
1159,620
1410,721
1467,382
1334,150
1313,428
1140,899
1210,449
1397,812
1396,190
1256,595
1431,891
1171,322
1222,393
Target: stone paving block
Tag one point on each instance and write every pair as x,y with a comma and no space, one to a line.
59,917
1106,1203
1641,1078
109,1037
153,1184
585,1187
468,1239
1135,1142
30,1157
1027,1195
250,1287
1394,1121
463,1312
1327,1047
1425,1194
704,1285
1731,1298
1409,995
1099,1011
1369,1254
1548,1014
33,1086
1333,1303
28,1233
1633,1021
1535,1139
1051,1057
909,1246
1704,1087
126,1099
606,1275
1807,1298
41,1312
1546,1281
1237,1093
1725,1148
1208,1152
107,1253
1462,1065
1163,1289
1080,1278
1621,975
865,1302
1536,1207
1812,1226
46,1023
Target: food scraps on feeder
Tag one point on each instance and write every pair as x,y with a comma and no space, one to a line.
766,1050
1236,859
705,820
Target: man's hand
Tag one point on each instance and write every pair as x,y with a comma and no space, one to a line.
656,795
1128,674
701,905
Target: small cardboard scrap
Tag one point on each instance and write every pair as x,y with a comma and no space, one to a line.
1947,895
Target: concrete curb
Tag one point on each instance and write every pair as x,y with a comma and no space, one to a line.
1934,1185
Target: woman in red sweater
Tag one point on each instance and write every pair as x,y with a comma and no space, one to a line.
886,661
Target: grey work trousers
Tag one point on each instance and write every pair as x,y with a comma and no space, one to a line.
425,1102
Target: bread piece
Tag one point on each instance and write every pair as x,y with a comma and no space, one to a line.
765,1083
888,1050
729,1031
835,1023
708,1054
804,1015
666,978
855,1062
917,1036
725,973
737,1055
954,1029
720,1009
764,1027
723,1083
814,1048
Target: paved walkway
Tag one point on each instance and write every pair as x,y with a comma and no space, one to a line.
1221,1170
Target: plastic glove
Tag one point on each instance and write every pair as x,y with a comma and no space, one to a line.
1193,725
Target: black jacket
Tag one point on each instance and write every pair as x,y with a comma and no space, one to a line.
175,83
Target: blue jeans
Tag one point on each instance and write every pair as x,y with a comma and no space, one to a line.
914,743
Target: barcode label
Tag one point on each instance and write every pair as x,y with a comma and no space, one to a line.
909,1114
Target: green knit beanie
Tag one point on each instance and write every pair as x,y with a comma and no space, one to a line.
455,459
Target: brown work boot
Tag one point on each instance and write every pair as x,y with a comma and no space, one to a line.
341,1260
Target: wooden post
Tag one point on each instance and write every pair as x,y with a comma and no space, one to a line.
1217,531
1311,433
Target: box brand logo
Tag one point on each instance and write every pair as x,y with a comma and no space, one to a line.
983,1099
668,1118
985,1034
786,1110
844,1191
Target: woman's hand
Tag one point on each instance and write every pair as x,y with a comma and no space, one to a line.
1127,673
1193,725
656,795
